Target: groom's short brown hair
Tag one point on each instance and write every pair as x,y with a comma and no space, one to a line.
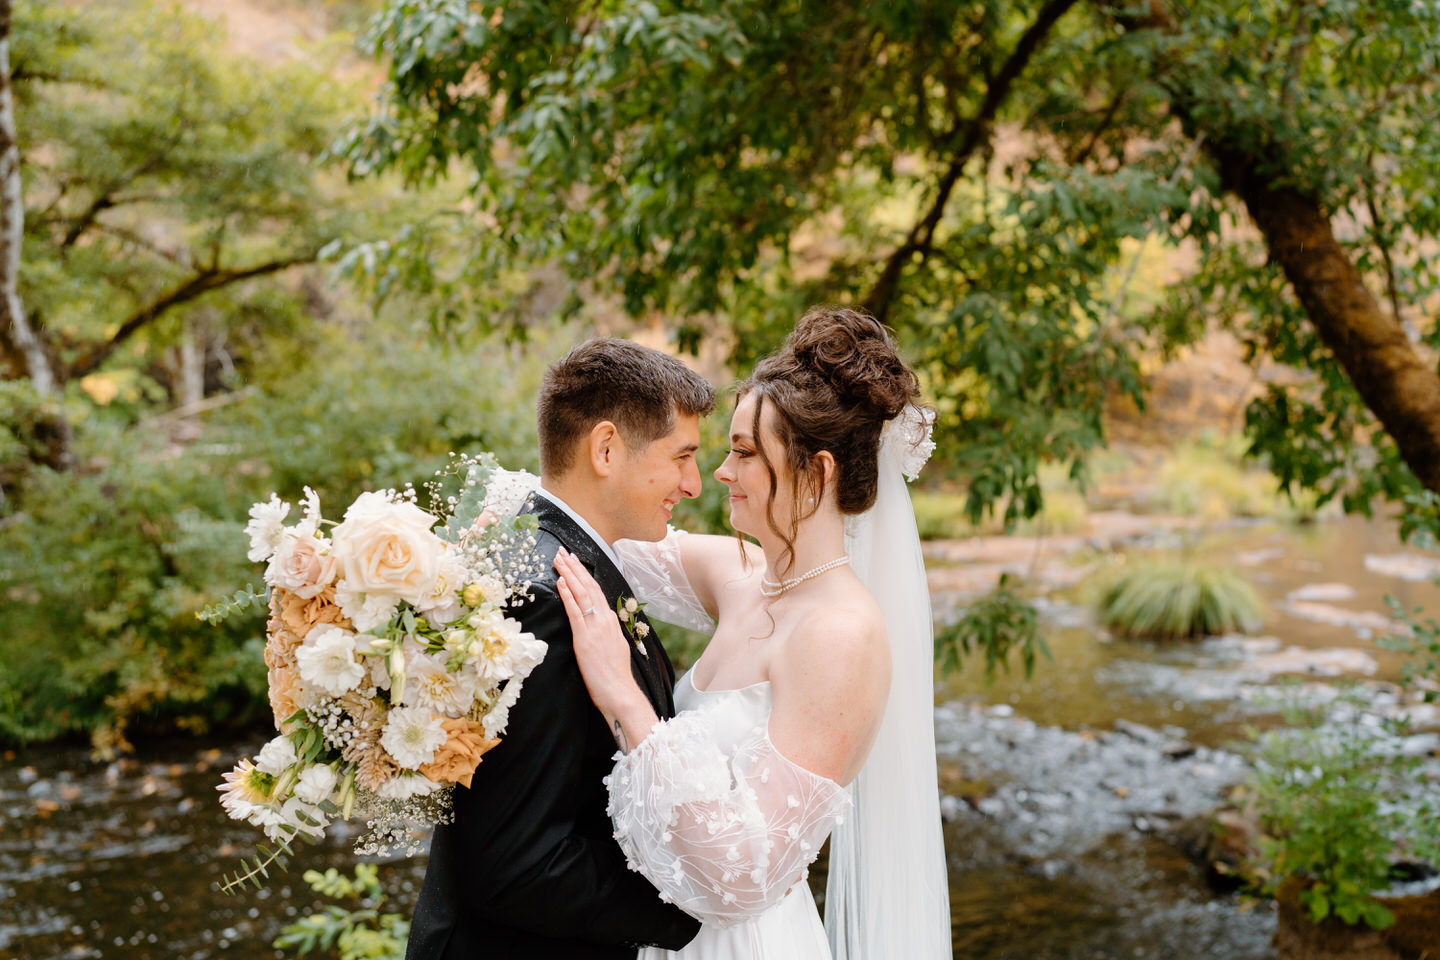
636,388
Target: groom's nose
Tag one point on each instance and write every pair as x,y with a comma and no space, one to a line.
690,479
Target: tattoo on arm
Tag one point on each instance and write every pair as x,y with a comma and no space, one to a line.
621,740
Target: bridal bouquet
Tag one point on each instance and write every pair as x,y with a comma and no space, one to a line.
392,662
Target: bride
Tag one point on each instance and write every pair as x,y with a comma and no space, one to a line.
810,709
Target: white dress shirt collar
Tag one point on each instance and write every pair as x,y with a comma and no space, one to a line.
584,525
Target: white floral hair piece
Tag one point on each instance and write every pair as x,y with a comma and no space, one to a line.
911,432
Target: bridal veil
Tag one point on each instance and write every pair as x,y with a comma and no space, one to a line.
888,895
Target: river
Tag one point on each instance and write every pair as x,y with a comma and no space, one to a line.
1058,789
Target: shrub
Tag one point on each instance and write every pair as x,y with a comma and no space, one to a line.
1173,599
103,570
997,623
355,934
1339,803
941,516
1211,478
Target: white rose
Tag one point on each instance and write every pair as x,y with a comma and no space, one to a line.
276,757
315,783
302,564
385,548
302,817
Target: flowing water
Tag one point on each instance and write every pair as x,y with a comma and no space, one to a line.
1058,788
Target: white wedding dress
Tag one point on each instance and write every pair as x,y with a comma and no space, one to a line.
707,808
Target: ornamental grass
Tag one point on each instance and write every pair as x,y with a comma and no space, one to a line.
1176,599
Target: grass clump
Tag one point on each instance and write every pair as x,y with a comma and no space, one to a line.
1176,599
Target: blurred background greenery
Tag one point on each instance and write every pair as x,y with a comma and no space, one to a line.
283,242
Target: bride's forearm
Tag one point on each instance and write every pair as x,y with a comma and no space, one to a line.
630,722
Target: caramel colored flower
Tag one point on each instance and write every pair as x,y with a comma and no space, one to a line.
285,687
301,615
456,759
281,646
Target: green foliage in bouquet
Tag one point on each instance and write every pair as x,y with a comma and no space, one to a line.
362,933
1340,802
103,571
1176,599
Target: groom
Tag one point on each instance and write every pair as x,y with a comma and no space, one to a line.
530,868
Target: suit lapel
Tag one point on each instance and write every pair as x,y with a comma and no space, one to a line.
652,668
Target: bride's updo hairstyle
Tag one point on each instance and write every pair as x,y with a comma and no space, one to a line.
833,384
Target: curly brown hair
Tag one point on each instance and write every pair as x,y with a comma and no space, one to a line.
833,384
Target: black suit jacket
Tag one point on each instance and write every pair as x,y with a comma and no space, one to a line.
530,867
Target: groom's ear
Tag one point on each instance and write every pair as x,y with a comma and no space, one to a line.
604,447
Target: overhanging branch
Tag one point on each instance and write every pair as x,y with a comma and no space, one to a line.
964,140
197,286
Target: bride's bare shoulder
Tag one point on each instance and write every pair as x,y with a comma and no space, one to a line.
841,635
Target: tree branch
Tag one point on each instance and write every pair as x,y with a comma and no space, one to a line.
107,199
197,286
963,142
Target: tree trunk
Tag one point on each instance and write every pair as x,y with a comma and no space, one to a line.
21,340
1401,390
190,366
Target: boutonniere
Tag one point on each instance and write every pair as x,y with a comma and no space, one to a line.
627,609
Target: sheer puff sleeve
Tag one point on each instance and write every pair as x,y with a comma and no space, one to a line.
654,572
723,824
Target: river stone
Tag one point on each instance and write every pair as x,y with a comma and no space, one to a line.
1403,566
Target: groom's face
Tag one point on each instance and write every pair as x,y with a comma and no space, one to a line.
655,478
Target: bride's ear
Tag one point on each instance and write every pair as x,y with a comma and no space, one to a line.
603,447
825,463
822,474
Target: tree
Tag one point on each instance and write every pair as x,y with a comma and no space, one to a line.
162,176
978,174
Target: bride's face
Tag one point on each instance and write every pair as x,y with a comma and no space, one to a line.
747,476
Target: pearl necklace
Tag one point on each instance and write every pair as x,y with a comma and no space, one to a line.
770,588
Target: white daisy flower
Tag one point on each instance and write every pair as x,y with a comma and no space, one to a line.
310,521
244,789
428,684
504,649
412,735
327,660
267,524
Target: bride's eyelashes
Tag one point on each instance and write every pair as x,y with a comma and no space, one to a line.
742,454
